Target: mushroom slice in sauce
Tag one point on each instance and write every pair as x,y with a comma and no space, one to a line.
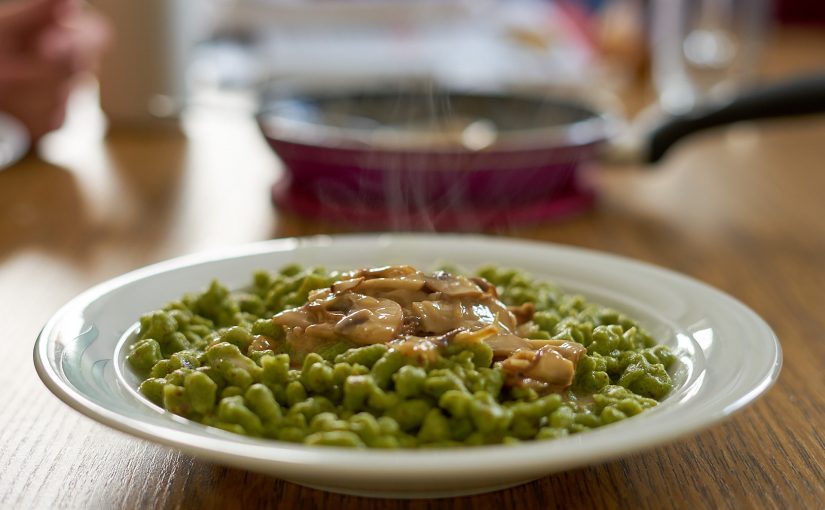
387,272
485,286
402,283
489,310
438,316
452,285
523,313
370,320
405,298
567,348
293,318
345,285
322,331
466,337
551,364
423,349
505,344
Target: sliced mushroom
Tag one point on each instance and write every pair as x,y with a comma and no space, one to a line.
485,286
386,272
354,319
321,331
294,318
422,349
374,285
551,364
504,345
452,285
345,285
489,310
438,316
405,298
543,365
523,312
568,349
370,320
318,294
552,367
476,336
334,303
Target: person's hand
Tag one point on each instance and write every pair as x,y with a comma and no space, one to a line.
44,45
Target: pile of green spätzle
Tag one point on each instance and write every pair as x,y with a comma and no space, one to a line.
195,361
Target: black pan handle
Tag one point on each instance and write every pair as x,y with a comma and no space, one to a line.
800,96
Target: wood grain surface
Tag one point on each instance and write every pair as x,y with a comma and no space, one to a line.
742,209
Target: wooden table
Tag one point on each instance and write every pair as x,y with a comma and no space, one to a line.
742,209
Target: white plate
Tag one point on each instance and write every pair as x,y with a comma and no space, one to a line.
727,356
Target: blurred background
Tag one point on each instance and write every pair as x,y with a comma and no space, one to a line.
425,114
168,54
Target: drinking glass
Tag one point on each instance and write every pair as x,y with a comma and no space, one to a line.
704,50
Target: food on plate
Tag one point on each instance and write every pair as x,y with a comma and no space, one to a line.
393,357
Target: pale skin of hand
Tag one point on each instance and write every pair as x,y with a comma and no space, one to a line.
44,46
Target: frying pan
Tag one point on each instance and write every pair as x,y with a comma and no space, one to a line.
413,157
